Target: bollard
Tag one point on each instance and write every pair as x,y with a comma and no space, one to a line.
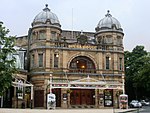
31,104
137,110
23,105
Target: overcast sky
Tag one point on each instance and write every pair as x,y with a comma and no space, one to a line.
134,16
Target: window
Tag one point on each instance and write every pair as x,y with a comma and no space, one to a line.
42,35
107,62
32,60
22,58
89,65
40,56
56,60
53,34
34,35
18,61
109,39
73,65
120,63
119,40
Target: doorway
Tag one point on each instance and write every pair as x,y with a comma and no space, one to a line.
82,97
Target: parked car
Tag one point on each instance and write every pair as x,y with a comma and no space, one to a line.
135,104
145,103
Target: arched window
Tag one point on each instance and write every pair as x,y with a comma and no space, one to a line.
40,56
82,64
56,56
108,62
120,63
42,35
32,60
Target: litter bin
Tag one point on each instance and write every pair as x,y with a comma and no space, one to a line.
23,105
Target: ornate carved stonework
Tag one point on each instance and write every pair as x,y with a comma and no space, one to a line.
83,39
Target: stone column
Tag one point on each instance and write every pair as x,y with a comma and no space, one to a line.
45,92
115,103
96,98
68,106
101,98
64,98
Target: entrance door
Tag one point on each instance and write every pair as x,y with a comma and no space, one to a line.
77,97
57,92
82,97
39,98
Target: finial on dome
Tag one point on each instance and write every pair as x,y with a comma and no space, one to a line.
46,5
81,32
108,13
46,8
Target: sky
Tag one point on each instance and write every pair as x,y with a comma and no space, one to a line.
134,16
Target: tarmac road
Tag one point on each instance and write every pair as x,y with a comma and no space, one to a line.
145,109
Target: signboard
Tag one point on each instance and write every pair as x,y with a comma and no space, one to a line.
123,101
108,97
51,101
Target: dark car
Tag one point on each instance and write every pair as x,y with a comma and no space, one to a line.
145,103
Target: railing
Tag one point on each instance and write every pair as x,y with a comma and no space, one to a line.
82,70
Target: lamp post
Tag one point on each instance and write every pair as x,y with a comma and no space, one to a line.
50,84
31,95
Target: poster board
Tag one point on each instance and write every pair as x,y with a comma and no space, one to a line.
51,101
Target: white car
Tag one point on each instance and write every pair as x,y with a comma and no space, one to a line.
135,104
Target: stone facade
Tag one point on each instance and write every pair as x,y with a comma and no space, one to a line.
87,68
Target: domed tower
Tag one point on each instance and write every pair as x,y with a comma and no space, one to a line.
109,34
109,37
43,38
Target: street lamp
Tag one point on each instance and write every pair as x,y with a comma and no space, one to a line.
31,95
50,84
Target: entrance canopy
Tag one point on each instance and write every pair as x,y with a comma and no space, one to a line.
22,84
88,83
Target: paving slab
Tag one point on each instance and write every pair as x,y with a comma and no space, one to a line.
2,110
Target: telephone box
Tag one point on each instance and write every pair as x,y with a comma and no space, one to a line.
123,101
51,101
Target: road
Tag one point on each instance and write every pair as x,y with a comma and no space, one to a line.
144,109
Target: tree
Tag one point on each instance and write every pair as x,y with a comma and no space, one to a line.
7,61
143,77
135,63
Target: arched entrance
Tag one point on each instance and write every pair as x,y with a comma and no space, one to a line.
82,64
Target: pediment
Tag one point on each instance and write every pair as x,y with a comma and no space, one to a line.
88,80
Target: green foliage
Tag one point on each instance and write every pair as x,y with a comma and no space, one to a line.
137,69
7,61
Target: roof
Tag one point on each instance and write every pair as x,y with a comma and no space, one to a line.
46,16
108,23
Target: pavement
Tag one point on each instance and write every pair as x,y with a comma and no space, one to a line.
3,110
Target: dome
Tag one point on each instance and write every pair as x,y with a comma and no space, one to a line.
46,16
108,23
